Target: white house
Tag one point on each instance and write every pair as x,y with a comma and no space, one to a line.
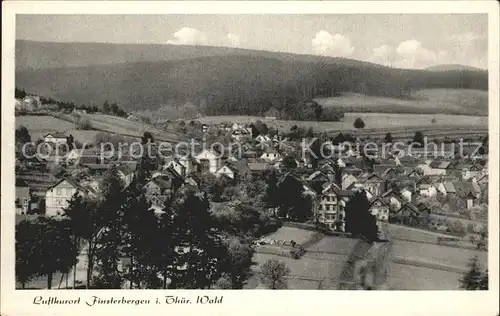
406,194
209,160
225,170
428,190
176,165
56,138
57,197
188,162
263,138
270,154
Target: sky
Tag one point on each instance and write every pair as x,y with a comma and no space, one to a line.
399,40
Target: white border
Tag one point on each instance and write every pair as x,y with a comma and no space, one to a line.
256,301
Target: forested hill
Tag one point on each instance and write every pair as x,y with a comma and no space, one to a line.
40,55
234,83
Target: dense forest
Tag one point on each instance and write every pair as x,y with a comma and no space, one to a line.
243,84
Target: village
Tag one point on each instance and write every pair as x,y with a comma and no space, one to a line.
271,170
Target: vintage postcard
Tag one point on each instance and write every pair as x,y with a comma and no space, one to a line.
250,158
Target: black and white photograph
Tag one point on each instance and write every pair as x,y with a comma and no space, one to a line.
326,151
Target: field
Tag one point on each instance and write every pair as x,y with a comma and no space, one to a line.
123,126
39,126
420,264
319,268
377,124
449,256
291,233
306,272
406,277
450,101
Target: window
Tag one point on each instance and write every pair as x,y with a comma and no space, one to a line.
59,191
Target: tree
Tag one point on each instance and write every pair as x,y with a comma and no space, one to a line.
484,146
106,108
293,204
274,273
141,230
26,251
418,138
358,219
239,262
22,135
388,138
70,141
289,163
359,123
272,193
97,222
318,110
310,132
198,242
48,246
473,279
483,284
84,124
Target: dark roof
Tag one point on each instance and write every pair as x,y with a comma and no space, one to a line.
258,166
98,166
384,200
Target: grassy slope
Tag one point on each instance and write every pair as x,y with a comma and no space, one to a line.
451,101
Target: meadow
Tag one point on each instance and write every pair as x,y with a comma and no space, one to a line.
448,256
449,101
39,126
378,124
407,277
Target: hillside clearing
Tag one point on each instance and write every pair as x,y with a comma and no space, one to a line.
450,101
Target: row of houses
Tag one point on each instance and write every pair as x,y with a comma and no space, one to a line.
415,176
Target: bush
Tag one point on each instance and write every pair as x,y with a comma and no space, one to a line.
84,125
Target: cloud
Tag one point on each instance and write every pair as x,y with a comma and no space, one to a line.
411,54
469,48
189,36
336,45
383,54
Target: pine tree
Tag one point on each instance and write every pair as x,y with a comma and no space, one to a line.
358,219
199,248
272,193
27,266
473,278
47,246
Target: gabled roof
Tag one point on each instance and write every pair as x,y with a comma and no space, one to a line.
332,187
449,187
410,206
72,182
56,135
384,200
161,183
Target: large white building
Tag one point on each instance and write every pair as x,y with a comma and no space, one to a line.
57,197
